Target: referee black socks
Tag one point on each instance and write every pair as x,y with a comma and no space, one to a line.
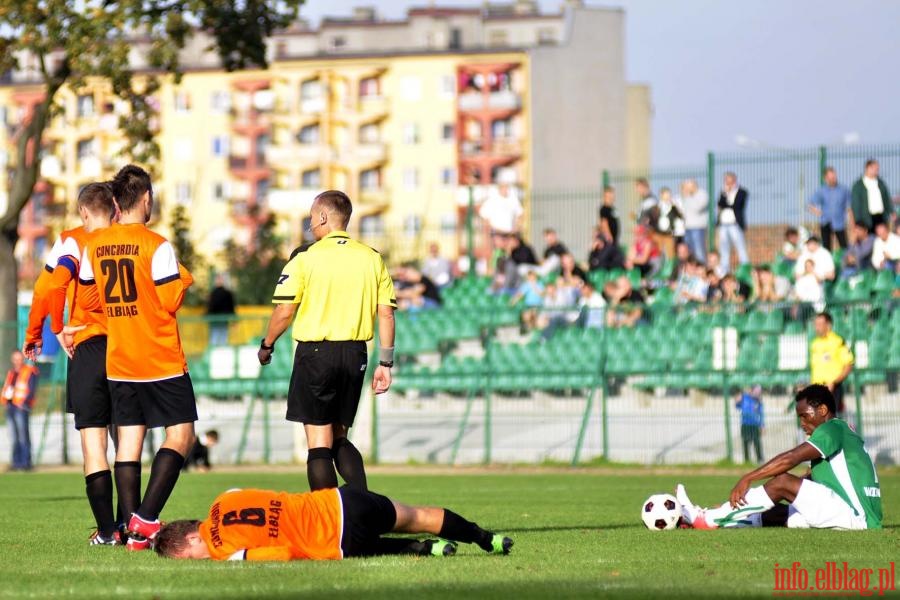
320,469
99,489
457,529
163,475
349,463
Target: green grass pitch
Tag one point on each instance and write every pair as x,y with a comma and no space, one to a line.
577,534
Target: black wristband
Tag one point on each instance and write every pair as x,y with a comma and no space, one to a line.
386,363
262,345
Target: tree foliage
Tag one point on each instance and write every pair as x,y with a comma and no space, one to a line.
256,269
72,42
187,255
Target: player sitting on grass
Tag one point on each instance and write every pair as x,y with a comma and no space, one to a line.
325,524
840,491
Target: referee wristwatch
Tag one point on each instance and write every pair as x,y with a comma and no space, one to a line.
386,363
263,346
386,357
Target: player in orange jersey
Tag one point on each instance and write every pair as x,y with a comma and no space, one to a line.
324,524
131,274
87,391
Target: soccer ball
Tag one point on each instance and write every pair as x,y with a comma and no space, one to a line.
661,511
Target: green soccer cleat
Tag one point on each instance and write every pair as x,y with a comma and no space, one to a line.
501,544
442,548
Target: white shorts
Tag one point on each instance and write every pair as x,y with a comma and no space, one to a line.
819,507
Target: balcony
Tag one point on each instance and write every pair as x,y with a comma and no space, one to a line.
374,197
500,147
505,100
294,155
314,105
371,152
371,105
243,167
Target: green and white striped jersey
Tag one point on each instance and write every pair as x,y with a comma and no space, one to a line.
847,468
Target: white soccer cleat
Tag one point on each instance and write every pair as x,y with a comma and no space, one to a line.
689,510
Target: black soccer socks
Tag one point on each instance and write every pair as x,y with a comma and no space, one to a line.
128,487
163,475
349,463
99,489
458,529
320,469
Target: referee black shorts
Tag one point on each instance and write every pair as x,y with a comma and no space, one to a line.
367,516
87,390
326,382
154,403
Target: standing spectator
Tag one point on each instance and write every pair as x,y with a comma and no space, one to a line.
886,251
220,310
199,456
830,360
336,288
792,247
609,221
752,422
858,257
646,213
871,201
695,206
732,221
669,223
644,254
830,204
18,396
437,268
502,211
822,260
605,255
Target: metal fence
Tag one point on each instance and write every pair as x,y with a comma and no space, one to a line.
472,387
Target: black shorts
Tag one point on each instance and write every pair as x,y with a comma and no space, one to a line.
367,516
87,390
838,394
154,403
326,382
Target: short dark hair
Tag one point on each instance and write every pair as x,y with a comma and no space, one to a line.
97,198
129,186
791,231
549,230
608,188
813,238
338,202
828,170
212,434
642,181
172,537
827,316
763,269
816,395
870,162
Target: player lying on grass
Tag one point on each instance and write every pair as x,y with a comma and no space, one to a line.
321,525
840,491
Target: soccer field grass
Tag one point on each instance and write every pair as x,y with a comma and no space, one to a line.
577,534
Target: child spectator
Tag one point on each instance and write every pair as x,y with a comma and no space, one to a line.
767,287
809,291
531,295
199,456
791,249
750,405
822,260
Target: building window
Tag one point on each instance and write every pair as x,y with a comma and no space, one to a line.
219,191
455,42
411,178
546,35
449,223
447,86
411,88
369,88
502,129
281,49
412,225
370,179
309,134
311,179
448,132
85,105
337,43
311,89
369,134
410,133
220,146
262,190
220,101
86,149
498,37
371,225
448,176
183,193
183,149
182,102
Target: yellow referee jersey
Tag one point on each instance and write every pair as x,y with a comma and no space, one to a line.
338,283
828,357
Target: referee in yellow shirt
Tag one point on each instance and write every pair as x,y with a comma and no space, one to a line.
830,359
335,286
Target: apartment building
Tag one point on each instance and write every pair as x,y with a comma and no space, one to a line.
404,115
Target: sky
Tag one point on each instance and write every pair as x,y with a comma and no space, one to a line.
777,72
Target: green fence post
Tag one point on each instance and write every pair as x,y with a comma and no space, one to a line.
604,415
470,399
470,232
605,180
267,430
367,389
823,162
729,443
582,431
711,191
854,376
245,431
487,426
63,397
47,415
